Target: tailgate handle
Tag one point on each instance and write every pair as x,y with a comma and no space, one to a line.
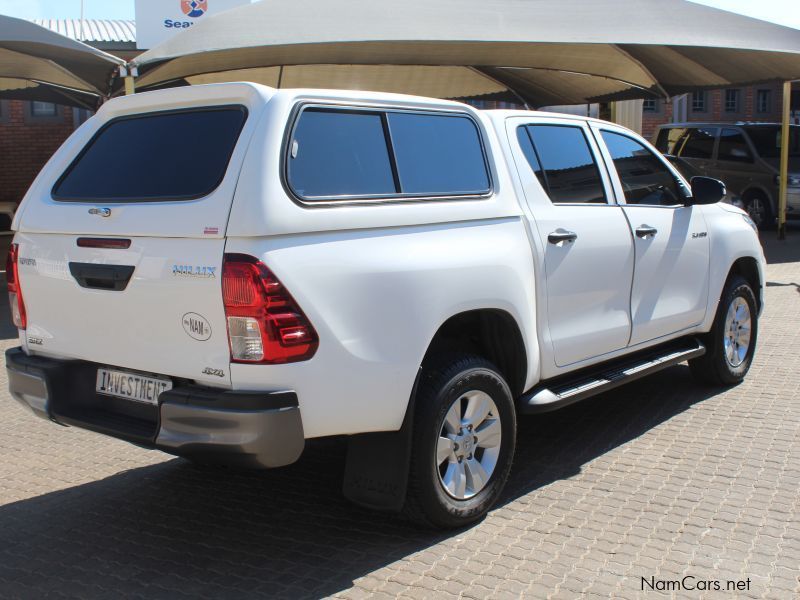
101,277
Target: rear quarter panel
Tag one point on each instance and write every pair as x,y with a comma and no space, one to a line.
376,298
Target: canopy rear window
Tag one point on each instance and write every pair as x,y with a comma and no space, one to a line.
174,155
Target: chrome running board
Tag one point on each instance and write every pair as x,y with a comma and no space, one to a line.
563,391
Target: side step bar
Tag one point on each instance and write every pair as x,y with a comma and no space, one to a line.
563,391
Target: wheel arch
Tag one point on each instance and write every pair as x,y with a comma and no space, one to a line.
491,333
747,268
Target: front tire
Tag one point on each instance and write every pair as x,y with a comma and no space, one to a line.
759,211
731,343
463,442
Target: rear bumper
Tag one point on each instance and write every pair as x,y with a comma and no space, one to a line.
251,429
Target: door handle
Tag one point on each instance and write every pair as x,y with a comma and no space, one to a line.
562,235
101,277
645,231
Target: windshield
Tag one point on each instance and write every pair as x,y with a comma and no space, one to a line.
767,140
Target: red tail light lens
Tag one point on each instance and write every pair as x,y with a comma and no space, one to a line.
265,324
15,301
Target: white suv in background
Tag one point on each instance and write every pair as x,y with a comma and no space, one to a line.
225,271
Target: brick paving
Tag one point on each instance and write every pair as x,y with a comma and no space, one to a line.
660,479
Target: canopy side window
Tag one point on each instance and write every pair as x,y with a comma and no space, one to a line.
340,154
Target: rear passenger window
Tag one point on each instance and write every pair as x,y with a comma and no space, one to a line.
644,177
562,160
176,155
733,147
339,154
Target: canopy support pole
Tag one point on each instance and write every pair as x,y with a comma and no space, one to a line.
129,73
784,168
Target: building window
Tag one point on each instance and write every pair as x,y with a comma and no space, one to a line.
650,105
44,109
699,102
731,101
763,101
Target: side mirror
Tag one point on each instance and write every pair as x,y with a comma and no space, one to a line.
706,190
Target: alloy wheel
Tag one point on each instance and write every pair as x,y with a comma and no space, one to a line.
469,444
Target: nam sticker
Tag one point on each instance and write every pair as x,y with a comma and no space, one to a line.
196,326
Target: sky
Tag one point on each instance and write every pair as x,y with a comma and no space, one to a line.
785,12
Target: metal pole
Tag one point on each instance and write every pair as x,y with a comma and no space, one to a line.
784,170
81,20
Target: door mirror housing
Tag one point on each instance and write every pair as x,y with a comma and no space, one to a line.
706,190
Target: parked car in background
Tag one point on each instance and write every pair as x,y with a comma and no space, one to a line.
689,171
225,271
745,156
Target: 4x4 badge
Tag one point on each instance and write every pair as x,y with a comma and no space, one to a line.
103,212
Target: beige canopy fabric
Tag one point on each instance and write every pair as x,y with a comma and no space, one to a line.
51,61
547,51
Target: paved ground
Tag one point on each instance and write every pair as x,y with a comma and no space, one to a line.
662,479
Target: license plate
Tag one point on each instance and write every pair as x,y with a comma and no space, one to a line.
131,386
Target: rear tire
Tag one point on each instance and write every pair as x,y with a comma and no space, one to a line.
731,343
463,442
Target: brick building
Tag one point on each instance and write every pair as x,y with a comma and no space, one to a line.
755,103
30,132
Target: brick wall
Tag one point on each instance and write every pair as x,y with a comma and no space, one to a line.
26,144
715,109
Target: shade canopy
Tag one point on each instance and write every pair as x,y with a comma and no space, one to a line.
546,51
51,63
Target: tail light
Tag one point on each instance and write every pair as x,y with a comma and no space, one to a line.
14,291
265,324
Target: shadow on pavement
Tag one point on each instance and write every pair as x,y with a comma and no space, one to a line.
782,251
176,529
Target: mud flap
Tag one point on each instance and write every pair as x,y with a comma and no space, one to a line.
376,473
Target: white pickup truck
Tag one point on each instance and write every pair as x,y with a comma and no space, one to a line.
223,272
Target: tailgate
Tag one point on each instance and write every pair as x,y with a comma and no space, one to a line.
147,185
169,319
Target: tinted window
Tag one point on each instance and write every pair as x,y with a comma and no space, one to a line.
527,147
438,154
699,143
767,140
567,165
733,147
340,153
645,179
173,156
346,153
668,139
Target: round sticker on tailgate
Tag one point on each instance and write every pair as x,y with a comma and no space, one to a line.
196,326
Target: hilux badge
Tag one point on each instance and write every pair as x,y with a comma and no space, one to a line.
196,326
195,271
